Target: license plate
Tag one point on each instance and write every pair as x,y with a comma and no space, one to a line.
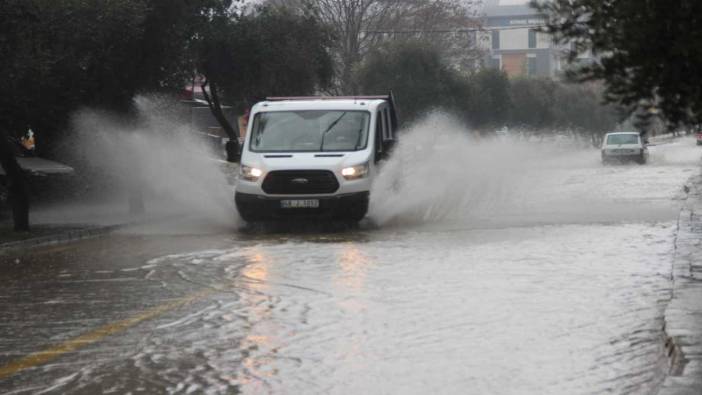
309,203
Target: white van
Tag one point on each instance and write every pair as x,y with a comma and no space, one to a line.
313,156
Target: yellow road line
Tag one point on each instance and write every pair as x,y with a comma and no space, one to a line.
42,357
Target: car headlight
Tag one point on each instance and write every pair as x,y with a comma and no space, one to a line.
249,173
355,172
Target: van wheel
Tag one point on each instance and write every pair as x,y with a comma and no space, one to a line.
354,211
247,213
356,215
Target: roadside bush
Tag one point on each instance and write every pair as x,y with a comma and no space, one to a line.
490,104
579,107
533,102
486,100
416,73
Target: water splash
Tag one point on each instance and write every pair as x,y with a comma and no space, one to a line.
159,156
442,172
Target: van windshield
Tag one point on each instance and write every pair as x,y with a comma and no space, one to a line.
310,131
616,139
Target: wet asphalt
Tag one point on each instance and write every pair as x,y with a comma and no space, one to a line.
562,300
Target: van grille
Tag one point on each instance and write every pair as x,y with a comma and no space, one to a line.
300,182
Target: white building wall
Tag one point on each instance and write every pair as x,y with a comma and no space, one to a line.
514,39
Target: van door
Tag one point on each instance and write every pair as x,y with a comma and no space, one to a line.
380,132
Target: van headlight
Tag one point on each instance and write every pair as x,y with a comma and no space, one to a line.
249,173
355,172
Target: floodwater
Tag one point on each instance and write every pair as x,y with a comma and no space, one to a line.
545,274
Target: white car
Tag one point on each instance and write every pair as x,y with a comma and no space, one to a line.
624,146
313,156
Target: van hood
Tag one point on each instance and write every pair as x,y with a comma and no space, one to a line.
307,160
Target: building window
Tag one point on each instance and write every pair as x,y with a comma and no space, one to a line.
532,38
531,66
495,39
495,63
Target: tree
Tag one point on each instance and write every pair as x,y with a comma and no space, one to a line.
491,103
450,25
579,107
12,16
360,26
648,53
268,52
415,72
61,55
533,102
56,57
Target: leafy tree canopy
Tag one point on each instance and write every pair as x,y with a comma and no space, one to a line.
270,51
59,55
533,102
416,73
360,26
491,102
647,52
422,80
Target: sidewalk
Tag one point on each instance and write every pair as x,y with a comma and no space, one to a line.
66,223
663,138
683,316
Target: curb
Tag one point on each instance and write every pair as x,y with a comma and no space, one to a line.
87,232
60,238
683,315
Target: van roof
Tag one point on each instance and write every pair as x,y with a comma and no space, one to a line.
298,104
636,133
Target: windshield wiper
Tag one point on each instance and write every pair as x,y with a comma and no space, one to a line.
331,126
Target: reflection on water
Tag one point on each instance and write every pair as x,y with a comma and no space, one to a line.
256,269
261,331
574,309
546,310
501,311
298,228
354,265
571,308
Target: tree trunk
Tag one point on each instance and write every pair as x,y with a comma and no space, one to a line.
215,105
17,193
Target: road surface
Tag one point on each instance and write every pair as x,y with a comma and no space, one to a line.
519,272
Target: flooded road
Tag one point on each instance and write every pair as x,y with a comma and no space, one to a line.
550,281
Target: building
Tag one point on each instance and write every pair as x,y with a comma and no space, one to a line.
513,43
